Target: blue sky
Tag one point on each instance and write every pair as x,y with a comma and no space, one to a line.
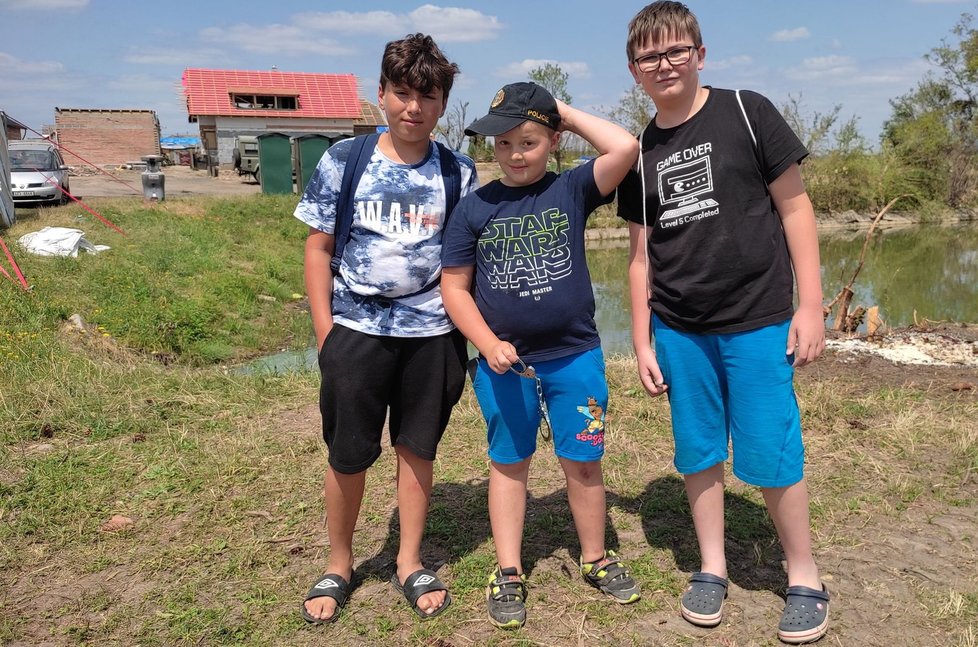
124,54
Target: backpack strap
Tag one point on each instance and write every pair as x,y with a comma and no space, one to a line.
360,152
746,120
356,162
452,174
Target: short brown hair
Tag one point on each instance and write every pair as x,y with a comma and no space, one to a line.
660,20
416,61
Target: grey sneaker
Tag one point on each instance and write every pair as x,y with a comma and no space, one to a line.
610,576
506,598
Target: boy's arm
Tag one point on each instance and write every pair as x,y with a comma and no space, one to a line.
806,336
617,148
638,290
319,281
456,294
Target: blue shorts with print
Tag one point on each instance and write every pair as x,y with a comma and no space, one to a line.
576,393
733,388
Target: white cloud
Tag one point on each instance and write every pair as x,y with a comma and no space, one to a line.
728,63
521,69
43,4
346,22
898,76
444,24
821,67
455,25
138,86
788,35
319,33
11,66
173,57
288,40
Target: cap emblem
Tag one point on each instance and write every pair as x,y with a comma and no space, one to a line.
496,100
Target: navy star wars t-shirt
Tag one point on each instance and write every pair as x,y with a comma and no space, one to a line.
717,250
532,283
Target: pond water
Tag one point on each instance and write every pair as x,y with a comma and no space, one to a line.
930,270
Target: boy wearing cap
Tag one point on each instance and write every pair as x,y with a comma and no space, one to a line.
719,223
519,242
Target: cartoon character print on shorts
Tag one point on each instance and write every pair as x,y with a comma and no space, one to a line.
593,431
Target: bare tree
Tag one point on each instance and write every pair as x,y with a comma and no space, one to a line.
634,111
452,130
815,129
554,80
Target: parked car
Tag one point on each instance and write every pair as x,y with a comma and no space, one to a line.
245,156
37,173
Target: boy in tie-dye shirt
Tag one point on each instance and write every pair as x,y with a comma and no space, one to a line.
387,350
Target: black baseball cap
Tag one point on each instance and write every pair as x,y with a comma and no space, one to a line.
514,104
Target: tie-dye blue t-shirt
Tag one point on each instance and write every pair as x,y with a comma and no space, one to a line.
394,247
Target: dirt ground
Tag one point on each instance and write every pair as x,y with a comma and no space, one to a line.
896,575
900,564
179,181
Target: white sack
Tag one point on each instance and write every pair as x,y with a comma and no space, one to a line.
58,241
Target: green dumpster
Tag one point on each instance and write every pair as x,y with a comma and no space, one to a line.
275,163
309,150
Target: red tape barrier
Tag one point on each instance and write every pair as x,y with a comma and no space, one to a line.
14,267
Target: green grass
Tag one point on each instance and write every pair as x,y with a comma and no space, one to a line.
221,472
196,284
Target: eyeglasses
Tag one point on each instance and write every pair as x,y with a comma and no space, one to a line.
675,56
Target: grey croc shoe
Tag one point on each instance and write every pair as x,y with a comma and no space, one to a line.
806,615
702,603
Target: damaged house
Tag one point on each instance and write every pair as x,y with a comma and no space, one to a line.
229,103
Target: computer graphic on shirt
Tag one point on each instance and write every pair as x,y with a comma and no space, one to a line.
685,181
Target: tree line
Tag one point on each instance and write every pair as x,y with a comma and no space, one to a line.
927,152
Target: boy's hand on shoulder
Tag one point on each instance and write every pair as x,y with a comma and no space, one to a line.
649,372
501,356
806,336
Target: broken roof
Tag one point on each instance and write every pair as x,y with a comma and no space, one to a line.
372,115
208,92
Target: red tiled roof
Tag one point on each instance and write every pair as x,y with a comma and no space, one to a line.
208,92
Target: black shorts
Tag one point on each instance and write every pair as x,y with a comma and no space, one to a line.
419,379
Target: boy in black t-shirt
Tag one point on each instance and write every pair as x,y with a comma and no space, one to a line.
718,219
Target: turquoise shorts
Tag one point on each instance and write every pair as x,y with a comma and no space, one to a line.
576,394
733,388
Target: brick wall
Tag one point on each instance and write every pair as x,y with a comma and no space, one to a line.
107,137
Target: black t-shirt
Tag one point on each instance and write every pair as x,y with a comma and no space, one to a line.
718,253
532,283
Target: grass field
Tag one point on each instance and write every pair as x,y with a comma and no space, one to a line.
214,476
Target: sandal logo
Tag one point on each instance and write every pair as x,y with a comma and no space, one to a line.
423,580
327,584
